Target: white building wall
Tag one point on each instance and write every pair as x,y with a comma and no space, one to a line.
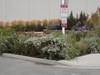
42,9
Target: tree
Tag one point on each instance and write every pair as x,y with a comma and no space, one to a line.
83,17
71,21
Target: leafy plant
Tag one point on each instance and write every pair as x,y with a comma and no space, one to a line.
83,46
1,25
54,24
45,24
80,34
39,26
93,44
6,32
53,46
17,25
12,44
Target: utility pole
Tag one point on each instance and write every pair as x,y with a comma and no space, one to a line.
63,12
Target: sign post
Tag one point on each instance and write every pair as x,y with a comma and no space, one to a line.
63,12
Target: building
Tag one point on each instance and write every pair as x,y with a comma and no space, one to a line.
42,9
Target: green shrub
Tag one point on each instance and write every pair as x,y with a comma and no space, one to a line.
17,25
1,25
93,44
33,46
55,26
94,21
53,46
29,26
89,44
13,44
39,26
97,29
6,43
1,38
83,47
6,32
21,46
80,34
45,23
73,49
32,27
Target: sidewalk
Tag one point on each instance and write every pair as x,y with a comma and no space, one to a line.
91,60
87,61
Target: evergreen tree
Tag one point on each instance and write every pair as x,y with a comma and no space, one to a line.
83,17
71,21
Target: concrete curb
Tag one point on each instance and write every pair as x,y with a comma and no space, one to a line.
32,59
77,67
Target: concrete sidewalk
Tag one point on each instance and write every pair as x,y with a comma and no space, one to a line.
91,60
87,61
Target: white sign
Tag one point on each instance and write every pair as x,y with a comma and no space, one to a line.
64,9
64,22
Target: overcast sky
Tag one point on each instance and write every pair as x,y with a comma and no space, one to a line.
42,9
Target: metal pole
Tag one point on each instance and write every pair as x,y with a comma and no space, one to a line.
63,30
64,6
62,2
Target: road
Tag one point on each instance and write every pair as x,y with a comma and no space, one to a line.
10,66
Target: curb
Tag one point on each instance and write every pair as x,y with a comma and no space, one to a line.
32,59
77,67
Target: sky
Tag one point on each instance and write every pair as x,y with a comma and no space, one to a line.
42,9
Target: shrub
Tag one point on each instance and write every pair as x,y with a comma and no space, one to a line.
30,26
83,47
54,24
12,44
17,25
7,43
33,46
89,44
1,25
90,23
94,21
53,46
93,44
45,24
73,50
26,26
6,32
39,26
80,34
1,38
21,45
33,25
7,25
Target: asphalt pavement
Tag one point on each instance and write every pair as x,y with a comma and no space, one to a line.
13,66
90,61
